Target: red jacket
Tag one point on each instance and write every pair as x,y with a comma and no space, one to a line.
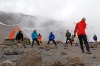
80,28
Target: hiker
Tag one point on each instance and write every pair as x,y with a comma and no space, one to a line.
80,30
68,37
34,36
40,39
51,38
72,39
19,38
95,38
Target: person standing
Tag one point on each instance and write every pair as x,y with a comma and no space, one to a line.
80,30
19,38
68,37
51,38
95,38
40,39
34,36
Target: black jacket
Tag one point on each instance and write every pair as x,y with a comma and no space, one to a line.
19,36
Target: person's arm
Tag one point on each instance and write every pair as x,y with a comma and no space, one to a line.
75,30
70,34
36,34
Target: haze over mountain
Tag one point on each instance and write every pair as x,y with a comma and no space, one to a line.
29,23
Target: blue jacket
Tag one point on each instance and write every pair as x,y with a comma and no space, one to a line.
51,36
34,35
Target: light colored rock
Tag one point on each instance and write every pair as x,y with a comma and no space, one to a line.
75,61
63,53
7,63
93,45
96,64
42,46
57,63
31,58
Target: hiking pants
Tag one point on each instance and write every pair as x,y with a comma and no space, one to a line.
69,40
36,41
83,38
52,41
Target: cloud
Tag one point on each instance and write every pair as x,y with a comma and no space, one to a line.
68,11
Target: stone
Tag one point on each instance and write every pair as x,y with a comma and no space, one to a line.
31,58
63,53
7,63
75,61
96,64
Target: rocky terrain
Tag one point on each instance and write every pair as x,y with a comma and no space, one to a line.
48,55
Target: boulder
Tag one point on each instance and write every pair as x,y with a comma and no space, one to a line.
57,63
75,61
63,53
31,58
53,63
42,46
7,63
93,45
13,52
96,64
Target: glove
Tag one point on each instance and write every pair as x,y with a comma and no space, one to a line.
74,35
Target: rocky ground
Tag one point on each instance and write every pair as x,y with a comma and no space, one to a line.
51,56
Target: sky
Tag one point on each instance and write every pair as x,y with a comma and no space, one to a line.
68,11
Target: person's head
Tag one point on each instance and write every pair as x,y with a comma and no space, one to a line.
51,32
34,31
67,31
39,34
20,31
94,34
83,19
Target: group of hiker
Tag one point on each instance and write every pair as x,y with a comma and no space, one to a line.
79,30
38,38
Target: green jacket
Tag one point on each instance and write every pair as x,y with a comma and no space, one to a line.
68,34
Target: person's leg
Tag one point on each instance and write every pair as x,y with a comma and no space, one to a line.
32,42
66,40
95,40
37,42
86,43
41,42
70,41
49,41
54,42
81,42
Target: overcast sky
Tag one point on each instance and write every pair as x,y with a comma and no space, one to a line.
69,11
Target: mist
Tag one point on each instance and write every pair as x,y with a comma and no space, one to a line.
55,15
